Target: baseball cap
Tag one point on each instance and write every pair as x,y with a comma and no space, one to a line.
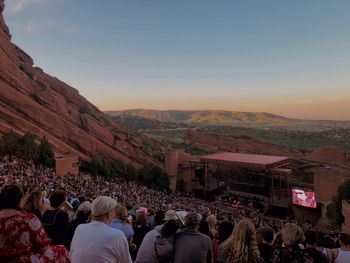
85,207
102,205
170,215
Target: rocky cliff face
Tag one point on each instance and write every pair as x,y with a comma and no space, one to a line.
212,142
32,100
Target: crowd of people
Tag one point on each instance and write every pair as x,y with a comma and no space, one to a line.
45,218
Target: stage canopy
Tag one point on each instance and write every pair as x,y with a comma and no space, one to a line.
242,159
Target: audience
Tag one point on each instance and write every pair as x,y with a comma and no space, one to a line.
122,223
241,246
157,245
191,245
96,241
311,247
205,235
55,220
35,203
140,230
342,254
290,251
82,217
23,239
265,239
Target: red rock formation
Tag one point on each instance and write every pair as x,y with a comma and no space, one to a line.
32,100
245,144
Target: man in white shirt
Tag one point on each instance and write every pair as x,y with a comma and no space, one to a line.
96,241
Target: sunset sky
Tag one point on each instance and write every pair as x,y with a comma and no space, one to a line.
286,57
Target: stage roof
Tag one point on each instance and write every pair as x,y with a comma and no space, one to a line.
266,161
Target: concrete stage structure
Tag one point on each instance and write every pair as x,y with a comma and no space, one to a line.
264,177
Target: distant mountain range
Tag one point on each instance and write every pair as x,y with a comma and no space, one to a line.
206,117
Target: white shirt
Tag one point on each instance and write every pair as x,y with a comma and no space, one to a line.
97,242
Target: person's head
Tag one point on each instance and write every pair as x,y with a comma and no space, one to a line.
121,213
159,217
84,211
34,201
57,198
225,230
344,239
141,218
211,219
310,238
103,209
170,215
266,234
328,242
291,234
242,245
75,204
309,195
191,221
320,239
11,196
169,228
203,227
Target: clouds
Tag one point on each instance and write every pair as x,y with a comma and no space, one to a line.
16,6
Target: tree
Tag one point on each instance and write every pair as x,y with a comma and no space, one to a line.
46,155
119,169
334,210
131,171
9,143
153,175
99,165
28,149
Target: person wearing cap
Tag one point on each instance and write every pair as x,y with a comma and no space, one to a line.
169,215
157,245
82,217
96,241
190,245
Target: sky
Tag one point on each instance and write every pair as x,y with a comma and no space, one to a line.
286,57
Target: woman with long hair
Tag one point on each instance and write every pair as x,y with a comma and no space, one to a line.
23,238
290,252
241,246
34,203
140,230
212,224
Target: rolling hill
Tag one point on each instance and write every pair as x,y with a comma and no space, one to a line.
207,117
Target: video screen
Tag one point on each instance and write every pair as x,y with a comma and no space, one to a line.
303,198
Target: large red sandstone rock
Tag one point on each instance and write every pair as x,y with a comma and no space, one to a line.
32,100
245,144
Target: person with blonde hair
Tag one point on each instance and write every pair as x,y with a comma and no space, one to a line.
212,224
34,203
213,234
122,223
140,230
290,252
241,246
